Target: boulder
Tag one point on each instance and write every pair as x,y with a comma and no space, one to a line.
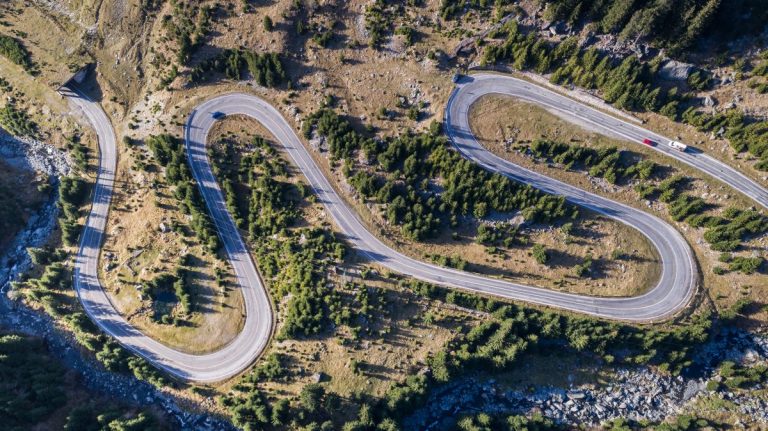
675,70
317,377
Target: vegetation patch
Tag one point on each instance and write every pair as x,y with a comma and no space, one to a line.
16,121
187,27
454,9
169,153
425,184
73,192
12,49
607,162
294,261
266,69
676,26
35,387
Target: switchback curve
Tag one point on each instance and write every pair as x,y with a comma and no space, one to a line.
674,290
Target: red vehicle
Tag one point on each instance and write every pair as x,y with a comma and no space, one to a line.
648,142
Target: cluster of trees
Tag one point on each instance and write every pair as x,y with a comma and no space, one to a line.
5,85
495,344
743,133
408,33
266,69
323,38
16,121
539,253
272,368
94,418
295,261
110,354
760,73
422,183
48,290
380,18
177,284
12,49
454,261
169,153
79,152
294,270
72,194
187,26
584,269
378,22
737,376
31,382
743,264
628,84
11,213
680,423
486,422
666,23
252,410
33,388
313,409
606,162
505,235
725,232
514,330
452,9
259,201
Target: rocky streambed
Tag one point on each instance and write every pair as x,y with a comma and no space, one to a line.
28,154
634,393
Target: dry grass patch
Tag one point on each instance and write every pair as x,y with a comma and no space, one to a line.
147,235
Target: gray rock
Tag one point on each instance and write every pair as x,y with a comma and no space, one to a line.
30,154
675,70
317,377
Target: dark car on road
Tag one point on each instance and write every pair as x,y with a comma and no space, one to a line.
218,115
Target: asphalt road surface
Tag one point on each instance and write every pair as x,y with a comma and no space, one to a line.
674,290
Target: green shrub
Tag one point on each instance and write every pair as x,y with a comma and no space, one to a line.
540,253
16,121
267,23
14,50
746,265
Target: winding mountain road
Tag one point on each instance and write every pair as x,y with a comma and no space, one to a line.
674,290
473,87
